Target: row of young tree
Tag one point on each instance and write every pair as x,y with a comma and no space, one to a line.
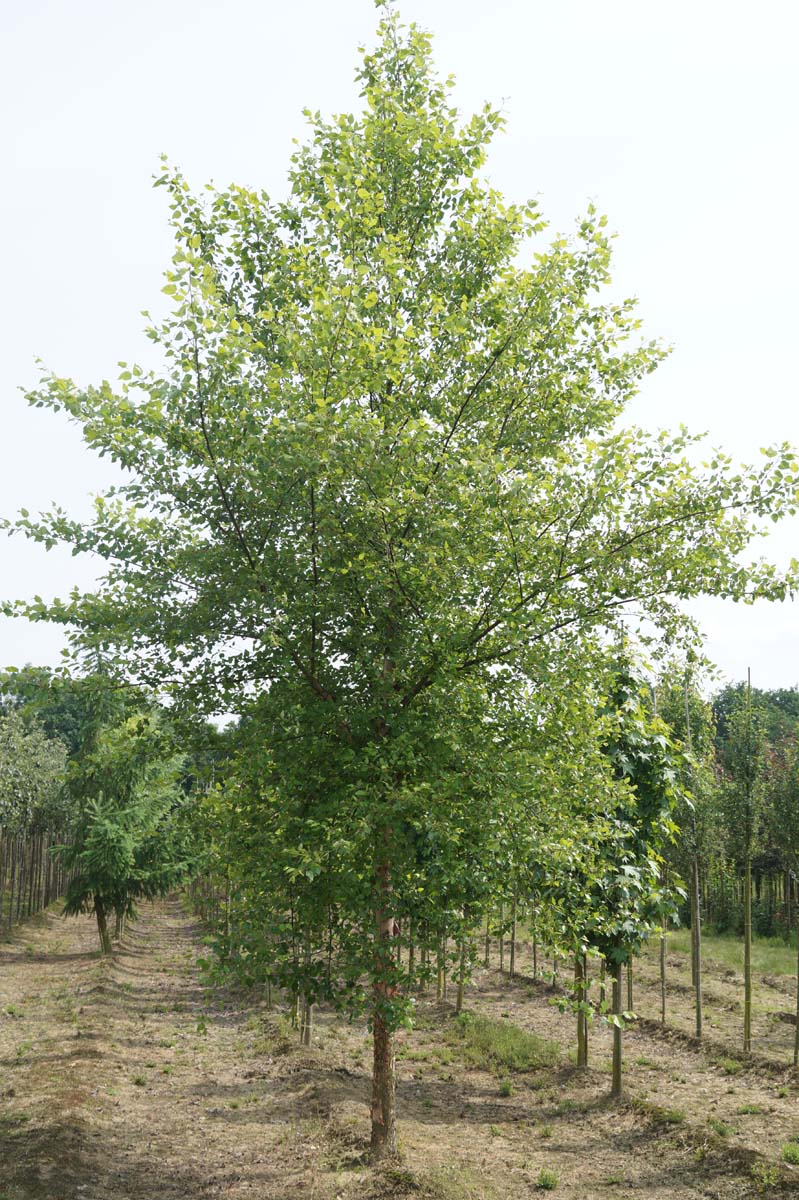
94,792
740,837
711,794
33,818
379,502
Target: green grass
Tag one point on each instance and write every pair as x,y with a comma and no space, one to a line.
770,956
447,1183
547,1180
667,1116
500,1045
790,1153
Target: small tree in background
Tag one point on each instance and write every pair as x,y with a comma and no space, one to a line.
743,794
125,846
628,896
784,797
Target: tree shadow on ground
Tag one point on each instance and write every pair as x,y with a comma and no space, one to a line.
58,1159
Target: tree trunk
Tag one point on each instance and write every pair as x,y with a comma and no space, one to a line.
384,1079
748,956
461,975
102,925
630,1005
306,1022
384,1116
696,958
663,972
579,994
502,937
796,1027
487,955
615,1090
513,938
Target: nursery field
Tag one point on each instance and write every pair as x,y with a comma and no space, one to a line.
127,1077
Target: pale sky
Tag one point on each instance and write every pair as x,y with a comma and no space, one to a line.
679,120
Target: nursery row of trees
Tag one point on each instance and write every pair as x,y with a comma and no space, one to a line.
379,502
94,795
33,817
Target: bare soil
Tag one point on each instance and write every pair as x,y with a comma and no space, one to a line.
128,1078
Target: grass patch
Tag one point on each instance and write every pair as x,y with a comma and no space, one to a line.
730,1066
455,1183
547,1180
719,1127
500,1045
770,956
790,1153
746,1109
766,1177
666,1116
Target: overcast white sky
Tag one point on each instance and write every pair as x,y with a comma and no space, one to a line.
678,119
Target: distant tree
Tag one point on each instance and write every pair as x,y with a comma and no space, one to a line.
743,793
32,774
691,723
628,898
784,799
126,843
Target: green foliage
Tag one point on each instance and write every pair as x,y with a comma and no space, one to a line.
611,895
765,1176
547,1180
32,771
56,702
790,1153
743,759
126,841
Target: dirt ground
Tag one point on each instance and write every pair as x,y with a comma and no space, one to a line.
127,1079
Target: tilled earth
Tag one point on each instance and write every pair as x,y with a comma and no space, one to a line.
129,1080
